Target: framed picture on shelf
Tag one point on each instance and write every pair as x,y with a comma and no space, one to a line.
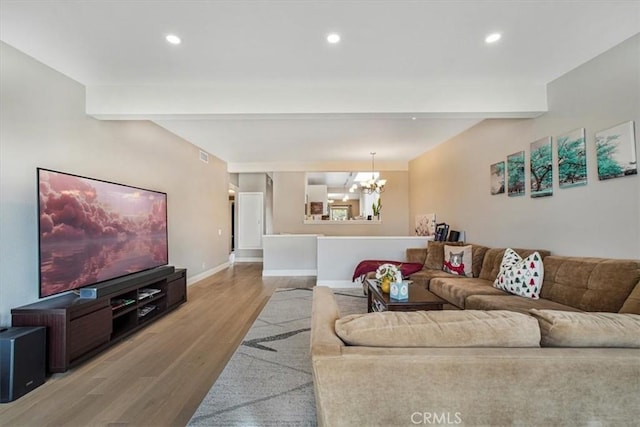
541,165
515,174
616,151
572,159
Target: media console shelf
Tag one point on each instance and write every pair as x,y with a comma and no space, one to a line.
79,328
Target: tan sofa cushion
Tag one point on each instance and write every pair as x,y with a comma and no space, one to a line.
493,258
570,329
439,329
590,284
424,276
512,303
457,289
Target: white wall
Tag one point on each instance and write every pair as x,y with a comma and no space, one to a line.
290,255
338,256
599,219
43,124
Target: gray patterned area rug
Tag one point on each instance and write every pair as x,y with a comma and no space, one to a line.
268,381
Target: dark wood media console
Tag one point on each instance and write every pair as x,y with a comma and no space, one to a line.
79,328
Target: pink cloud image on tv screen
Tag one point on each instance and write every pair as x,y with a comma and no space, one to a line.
92,231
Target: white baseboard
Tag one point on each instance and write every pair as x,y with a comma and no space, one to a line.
248,259
266,273
206,274
338,284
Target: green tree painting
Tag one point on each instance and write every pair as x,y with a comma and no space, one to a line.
572,159
515,172
615,150
541,168
608,167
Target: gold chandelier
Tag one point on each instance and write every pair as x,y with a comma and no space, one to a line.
373,185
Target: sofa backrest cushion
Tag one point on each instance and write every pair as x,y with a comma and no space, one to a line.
478,257
590,284
493,258
435,256
447,328
416,255
579,329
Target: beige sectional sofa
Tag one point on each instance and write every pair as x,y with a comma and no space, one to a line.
570,283
393,369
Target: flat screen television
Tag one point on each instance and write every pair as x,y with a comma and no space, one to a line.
91,231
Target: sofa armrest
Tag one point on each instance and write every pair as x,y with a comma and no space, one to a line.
417,255
632,303
324,313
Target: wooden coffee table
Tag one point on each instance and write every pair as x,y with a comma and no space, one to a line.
419,299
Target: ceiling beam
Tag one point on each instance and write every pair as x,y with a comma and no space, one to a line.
491,100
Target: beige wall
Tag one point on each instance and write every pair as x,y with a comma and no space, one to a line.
599,219
288,208
43,124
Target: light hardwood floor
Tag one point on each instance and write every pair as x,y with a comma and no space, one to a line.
158,376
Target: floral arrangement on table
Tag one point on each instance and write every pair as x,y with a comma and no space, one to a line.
386,274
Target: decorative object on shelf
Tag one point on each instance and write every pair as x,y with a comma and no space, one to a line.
616,151
515,173
572,158
425,224
373,185
399,291
386,274
497,178
541,168
442,231
377,207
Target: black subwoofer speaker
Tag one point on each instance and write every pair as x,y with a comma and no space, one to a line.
22,361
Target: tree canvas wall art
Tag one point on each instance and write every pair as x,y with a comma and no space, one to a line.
497,178
616,151
541,168
515,173
572,159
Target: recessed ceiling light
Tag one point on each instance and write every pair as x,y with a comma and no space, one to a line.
492,38
413,118
333,38
173,39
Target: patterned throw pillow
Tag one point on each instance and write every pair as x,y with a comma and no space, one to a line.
519,276
509,259
458,260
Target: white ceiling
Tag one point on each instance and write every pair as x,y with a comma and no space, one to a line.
256,84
